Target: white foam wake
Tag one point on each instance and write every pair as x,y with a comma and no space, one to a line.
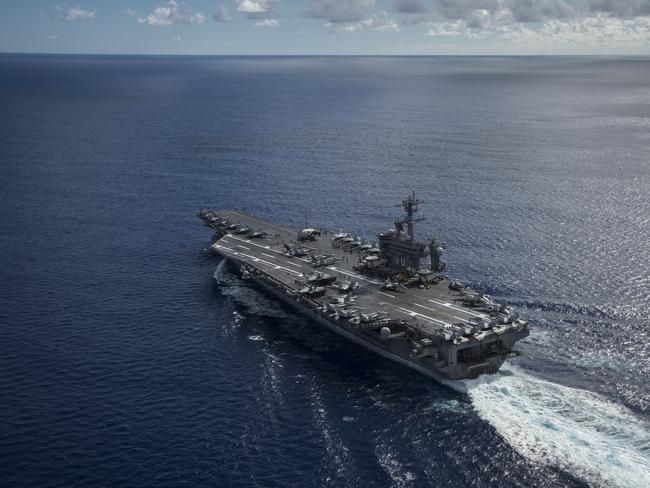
218,272
576,430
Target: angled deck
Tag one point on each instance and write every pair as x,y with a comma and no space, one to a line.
428,309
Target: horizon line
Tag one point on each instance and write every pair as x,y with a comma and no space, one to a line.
567,55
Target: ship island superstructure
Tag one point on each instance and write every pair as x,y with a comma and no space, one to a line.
391,296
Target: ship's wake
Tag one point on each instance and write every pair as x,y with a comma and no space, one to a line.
219,272
575,430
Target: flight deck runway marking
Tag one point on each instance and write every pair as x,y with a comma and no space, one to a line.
268,255
333,268
294,264
273,265
471,312
418,314
392,296
442,312
259,245
354,275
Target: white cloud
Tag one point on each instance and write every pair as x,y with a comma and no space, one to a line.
541,23
74,13
379,22
448,29
267,23
178,38
252,6
53,36
130,12
601,29
340,11
350,15
171,13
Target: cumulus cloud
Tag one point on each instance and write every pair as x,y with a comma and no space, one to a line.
129,12
379,22
267,23
257,9
171,13
70,14
252,6
590,22
596,30
350,15
489,13
340,11
453,29
222,15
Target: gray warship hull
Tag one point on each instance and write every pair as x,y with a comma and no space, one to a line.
425,325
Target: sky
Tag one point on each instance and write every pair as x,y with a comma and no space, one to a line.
376,27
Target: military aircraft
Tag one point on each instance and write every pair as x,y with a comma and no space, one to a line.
313,291
369,317
319,278
258,234
475,298
323,260
348,286
456,285
346,313
295,251
308,234
392,286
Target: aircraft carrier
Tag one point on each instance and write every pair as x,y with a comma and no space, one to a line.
391,296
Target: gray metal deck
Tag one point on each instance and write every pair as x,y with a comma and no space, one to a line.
427,309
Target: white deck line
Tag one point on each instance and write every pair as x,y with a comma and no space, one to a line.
250,242
437,310
333,268
267,255
418,314
268,248
255,259
294,264
392,296
471,312
244,247
354,275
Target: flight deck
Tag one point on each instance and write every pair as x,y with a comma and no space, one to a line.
379,294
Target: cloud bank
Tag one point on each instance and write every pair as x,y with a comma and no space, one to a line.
171,13
532,21
350,15
63,12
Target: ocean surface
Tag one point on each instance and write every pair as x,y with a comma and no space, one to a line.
120,364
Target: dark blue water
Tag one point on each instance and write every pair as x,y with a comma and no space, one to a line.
120,365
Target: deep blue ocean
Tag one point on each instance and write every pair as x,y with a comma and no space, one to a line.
120,364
